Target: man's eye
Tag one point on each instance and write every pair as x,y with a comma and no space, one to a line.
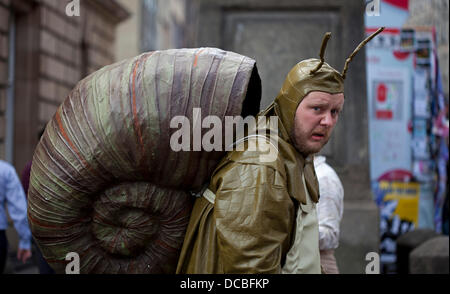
316,108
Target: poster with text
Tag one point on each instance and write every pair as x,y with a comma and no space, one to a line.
389,115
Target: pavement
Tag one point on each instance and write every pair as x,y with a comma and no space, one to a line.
15,266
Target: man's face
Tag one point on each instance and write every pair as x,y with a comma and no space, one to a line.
315,119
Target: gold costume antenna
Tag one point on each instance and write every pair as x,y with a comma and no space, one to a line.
360,46
326,37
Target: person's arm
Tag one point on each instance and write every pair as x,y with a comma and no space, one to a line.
254,216
329,211
17,208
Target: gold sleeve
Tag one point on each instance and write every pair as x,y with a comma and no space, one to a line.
254,216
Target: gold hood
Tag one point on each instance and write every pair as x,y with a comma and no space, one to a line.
306,76
298,83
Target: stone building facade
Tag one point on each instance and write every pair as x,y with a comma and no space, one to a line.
53,50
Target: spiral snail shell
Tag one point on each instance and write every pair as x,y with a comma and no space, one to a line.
105,182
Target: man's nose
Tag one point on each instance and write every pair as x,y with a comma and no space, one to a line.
327,119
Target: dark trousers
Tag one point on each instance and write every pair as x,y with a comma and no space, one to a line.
3,250
44,268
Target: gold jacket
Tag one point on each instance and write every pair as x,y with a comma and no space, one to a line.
251,225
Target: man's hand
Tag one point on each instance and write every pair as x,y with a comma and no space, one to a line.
23,254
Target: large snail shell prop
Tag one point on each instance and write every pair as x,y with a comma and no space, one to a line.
105,182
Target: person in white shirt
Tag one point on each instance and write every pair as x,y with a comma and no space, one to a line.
329,210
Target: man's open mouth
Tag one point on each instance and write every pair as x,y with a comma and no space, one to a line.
317,136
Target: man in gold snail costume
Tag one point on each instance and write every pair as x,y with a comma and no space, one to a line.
260,217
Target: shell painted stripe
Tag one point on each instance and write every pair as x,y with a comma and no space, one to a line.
200,159
72,146
196,57
62,226
94,125
164,245
150,107
137,126
163,81
182,213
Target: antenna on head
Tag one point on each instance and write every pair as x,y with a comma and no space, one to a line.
360,46
326,37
